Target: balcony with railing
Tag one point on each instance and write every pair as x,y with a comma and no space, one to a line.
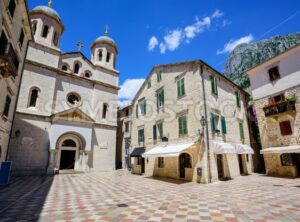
9,62
280,108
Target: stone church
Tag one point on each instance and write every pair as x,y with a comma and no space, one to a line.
66,112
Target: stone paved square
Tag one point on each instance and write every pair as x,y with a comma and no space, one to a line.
121,196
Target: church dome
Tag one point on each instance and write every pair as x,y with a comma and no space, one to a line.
105,39
48,11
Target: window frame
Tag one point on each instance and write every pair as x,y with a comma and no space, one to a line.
182,125
104,111
285,125
141,135
274,73
43,32
238,99
286,159
126,126
158,76
214,85
160,98
180,87
36,99
161,162
241,130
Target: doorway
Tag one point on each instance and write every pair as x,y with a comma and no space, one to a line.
240,159
220,166
296,162
67,159
184,162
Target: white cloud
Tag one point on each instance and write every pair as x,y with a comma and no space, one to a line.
234,43
226,23
217,14
191,31
129,89
173,38
153,42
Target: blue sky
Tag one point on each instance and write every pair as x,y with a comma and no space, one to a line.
180,30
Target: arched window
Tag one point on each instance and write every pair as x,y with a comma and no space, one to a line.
55,39
76,68
108,57
104,111
100,54
45,31
33,97
69,143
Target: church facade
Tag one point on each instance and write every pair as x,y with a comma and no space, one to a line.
66,112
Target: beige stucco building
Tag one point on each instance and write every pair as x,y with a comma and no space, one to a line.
276,90
15,32
123,137
66,112
168,139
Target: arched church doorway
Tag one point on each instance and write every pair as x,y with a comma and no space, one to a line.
69,147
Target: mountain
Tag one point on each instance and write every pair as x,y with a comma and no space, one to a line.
245,56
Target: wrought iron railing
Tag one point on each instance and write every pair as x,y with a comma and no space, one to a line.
279,108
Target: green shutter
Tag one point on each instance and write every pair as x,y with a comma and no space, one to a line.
184,125
180,125
212,122
154,133
216,86
178,88
145,107
7,106
241,127
137,111
163,97
182,87
238,99
223,122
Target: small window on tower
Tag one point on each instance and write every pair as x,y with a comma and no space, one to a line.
104,111
45,31
100,55
108,57
55,39
34,28
76,68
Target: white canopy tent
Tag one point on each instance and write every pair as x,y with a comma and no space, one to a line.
243,149
169,150
284,149
224,148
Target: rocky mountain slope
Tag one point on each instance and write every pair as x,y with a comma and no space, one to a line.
246,56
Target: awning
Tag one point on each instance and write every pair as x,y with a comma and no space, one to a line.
243,149
284,149
224,148
137,152
170,150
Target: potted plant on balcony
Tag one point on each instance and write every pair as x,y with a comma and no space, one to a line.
291,98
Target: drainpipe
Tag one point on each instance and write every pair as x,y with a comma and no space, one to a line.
17,99
206,134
